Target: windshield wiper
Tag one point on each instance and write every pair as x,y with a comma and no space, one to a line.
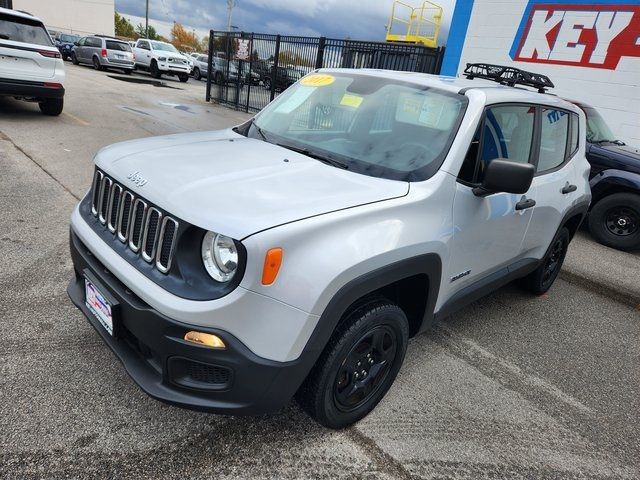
323,158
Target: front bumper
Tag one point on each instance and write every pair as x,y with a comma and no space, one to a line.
28,89
153,352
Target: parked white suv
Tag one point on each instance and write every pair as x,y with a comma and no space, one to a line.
297,253
161,58
31,67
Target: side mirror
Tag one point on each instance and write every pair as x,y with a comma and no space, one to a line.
505,176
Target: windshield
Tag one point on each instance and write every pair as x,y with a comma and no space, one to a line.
370,125
597,129
120,46
69,38
165,47
23,30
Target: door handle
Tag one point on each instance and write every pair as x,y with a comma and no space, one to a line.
568,188
525,203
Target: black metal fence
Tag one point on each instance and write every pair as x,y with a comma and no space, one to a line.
247,70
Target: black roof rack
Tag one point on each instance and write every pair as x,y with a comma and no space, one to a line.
508,76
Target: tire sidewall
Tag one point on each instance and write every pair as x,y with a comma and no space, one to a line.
333,417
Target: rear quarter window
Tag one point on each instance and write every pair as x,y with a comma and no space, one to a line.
23,30
119,46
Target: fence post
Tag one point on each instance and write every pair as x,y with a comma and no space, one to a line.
250,71
320,57
274,73
209,65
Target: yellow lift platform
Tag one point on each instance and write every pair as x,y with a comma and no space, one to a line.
417,25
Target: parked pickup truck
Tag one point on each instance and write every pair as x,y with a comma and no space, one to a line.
161,58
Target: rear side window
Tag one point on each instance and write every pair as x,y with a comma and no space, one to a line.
575,134
120,46
93,42
23,30
553,139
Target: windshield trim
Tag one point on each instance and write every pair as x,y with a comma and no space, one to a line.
364,168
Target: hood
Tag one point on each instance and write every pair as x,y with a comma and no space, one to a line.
237,186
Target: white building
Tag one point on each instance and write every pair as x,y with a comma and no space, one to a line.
76,16
589,48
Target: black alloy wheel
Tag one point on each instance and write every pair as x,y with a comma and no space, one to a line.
614,221
622,221
358,365
365,368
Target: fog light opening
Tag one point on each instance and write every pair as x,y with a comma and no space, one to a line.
205,339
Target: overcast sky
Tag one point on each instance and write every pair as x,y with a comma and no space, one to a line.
358,19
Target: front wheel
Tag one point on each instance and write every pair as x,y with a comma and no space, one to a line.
615,221
358,365
541,279
183,77
52,106
154,70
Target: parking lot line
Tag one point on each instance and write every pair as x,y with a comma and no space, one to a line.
82,122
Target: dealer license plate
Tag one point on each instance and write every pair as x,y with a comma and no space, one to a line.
99,306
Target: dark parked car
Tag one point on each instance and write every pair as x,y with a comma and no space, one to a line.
284,78
614,218
65,43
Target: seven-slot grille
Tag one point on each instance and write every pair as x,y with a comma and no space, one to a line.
143,228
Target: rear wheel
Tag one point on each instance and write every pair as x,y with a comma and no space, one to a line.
52,106
196,74
153,69
541,279
96,64
358,365
615,221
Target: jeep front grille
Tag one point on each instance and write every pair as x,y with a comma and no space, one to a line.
143,228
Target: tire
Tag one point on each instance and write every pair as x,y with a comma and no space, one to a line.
196,74
52,106
358,365
97,65
153,69
183,77
541,279
74,59
615,221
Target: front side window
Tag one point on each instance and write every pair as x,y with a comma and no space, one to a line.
371,125
23,30
553,139
164,47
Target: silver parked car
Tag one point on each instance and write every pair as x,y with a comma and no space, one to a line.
103,53
296,254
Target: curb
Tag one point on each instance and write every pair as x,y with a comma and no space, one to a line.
619,294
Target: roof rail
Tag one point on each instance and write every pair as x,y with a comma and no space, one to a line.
508,76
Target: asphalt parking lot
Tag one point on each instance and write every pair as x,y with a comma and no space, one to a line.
514,386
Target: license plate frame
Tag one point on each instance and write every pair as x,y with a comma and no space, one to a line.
104,307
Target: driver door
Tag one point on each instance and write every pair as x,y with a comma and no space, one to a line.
489,231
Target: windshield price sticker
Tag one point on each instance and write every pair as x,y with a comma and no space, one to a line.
318,80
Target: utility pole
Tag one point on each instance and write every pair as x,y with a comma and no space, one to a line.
230,5
146,28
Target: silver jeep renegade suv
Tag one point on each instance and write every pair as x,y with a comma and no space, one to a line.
296,254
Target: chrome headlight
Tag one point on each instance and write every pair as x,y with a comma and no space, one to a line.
219,256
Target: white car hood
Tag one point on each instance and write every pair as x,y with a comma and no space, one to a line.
238,186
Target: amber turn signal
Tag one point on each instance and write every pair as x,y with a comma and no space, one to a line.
272,262
205,339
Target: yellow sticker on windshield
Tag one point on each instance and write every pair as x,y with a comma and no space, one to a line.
349,100
318,80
